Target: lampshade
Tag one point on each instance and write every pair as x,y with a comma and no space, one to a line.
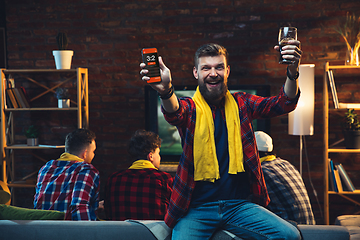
301,120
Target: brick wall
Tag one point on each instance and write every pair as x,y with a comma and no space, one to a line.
107,37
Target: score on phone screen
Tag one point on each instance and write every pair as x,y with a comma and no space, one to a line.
150,58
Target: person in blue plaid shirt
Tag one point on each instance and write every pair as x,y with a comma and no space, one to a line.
70,184
288,196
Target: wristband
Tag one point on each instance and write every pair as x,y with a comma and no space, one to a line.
290,77
167,95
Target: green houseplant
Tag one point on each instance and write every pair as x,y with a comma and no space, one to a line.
62,56
351,129
63,96
32,134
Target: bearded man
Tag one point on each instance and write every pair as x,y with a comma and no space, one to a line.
219,183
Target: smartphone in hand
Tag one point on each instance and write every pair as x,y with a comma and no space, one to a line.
150,58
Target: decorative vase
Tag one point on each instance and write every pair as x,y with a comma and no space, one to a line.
63,58
63,103
352,139
32,141
352,56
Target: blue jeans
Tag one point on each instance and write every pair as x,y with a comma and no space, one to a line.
240,217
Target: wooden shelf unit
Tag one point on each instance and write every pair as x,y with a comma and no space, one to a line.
327,149
7,146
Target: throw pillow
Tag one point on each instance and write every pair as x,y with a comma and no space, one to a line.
8,212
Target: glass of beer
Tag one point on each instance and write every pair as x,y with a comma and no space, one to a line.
286,34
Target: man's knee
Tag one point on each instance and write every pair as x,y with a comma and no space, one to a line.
291,233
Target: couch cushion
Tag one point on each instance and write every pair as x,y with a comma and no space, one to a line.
348,220
8,212
352,223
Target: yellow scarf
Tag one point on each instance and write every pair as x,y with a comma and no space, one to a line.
267,158
142,164
205,159
69,157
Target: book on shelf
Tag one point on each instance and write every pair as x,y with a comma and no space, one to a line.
338,104
332,179
345,179
333,89
24,96
17,96
20,97
338,180
12,98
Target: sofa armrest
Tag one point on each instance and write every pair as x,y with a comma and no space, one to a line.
324,232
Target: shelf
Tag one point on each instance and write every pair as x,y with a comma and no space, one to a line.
343,150
41,109
21,184
8,71
40,146
46,80
342,67
357,191
334,148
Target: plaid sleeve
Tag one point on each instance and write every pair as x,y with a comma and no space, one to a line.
266,107
85,195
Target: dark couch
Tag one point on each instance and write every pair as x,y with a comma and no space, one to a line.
134,230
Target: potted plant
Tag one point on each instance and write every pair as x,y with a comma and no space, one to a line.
62,56
351,127
62,94
32,135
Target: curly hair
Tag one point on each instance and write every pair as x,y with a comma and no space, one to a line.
142,143
78,140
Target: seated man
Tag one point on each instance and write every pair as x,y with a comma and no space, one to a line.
141,192
70,184
288,196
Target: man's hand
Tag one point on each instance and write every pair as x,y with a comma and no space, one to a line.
291,52
165,84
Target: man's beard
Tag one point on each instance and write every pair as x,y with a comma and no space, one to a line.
213,97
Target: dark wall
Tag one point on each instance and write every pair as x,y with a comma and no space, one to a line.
107,37
2,34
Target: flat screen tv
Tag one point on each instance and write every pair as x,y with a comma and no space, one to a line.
171,149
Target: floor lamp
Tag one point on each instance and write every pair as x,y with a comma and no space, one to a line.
301,120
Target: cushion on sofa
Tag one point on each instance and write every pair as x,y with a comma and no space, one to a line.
352,223
348,220
8,212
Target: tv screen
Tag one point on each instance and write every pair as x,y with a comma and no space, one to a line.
171,149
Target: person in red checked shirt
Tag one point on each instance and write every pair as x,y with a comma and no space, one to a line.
70,183
141,192
219,183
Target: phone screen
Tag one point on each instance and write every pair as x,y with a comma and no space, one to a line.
150,58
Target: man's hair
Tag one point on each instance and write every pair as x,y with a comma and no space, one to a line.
78,140
142,143
210,50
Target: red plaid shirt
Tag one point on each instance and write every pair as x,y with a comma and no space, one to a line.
250,107
141,194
